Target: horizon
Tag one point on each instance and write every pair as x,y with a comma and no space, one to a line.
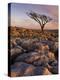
31,28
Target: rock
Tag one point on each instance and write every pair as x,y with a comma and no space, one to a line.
55,63
56,55
13,74
29,45
54,68
13,43
28,57
56,45
46,72
56,50
18,41
35,40
42,61
49,43
33,56
14,53
29,71
33,53
22,69
50,38
42,48
38,70
21,57
51,56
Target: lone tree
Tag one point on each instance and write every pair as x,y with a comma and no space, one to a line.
41,19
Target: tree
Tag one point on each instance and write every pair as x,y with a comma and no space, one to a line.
41,19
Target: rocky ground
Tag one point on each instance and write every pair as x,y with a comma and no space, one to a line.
35,55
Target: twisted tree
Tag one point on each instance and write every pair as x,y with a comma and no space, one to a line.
41,19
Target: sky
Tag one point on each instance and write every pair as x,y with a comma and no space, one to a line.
19,17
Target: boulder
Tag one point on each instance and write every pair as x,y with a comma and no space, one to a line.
21,57
56,50
14,53
46,72
29,45
38,70
18,41
42,61
13,43
28,57
51,56
49,43
33,56
54,68
29,71
14,74
42,48
21,69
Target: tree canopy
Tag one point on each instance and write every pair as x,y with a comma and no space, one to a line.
41,19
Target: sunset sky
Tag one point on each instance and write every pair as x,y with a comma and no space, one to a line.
19,17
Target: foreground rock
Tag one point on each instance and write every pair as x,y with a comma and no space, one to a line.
15,52
31,57
19,68
24,69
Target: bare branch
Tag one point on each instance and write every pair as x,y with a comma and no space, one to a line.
41,19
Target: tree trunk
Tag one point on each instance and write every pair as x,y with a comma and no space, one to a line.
42,27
